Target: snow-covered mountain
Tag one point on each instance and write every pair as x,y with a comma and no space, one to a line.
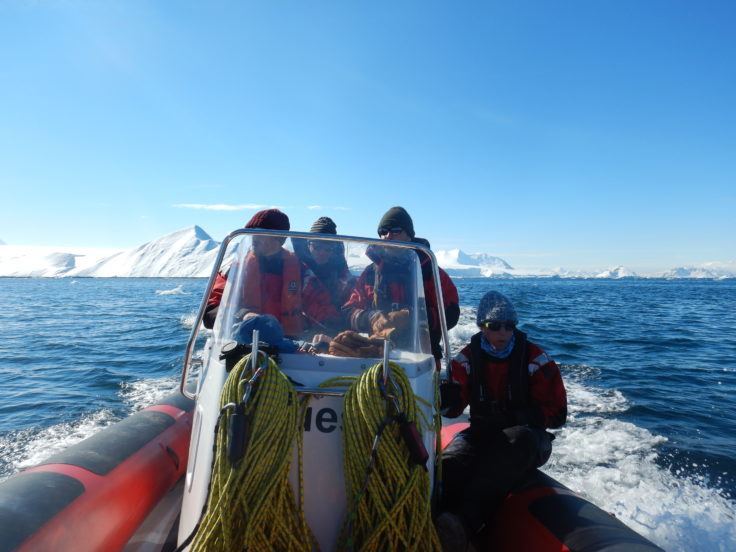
708,270
191,252
47,262
185,253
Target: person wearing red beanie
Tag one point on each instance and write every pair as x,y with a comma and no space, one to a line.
274,277
269,219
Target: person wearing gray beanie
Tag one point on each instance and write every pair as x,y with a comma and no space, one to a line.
515,392
495,307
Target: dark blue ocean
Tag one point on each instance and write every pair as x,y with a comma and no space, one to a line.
649,365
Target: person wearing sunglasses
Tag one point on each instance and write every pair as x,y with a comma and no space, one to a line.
375,304
326,280
515,392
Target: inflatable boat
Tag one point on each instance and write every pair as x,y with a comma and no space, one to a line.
287,441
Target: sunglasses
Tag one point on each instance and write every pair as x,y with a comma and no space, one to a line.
385,231
495,326
321,246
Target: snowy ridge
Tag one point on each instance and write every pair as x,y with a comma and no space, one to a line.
714,270
191,252
186,253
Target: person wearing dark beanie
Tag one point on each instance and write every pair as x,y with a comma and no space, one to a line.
396,220
379,278
273,283
324,225
327,281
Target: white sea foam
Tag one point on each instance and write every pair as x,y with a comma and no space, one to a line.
187,320
28,447
178,290
614,464
142,393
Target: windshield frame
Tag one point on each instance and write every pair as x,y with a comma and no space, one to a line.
222,253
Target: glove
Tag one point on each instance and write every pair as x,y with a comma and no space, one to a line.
379,322
352,344
396,320
450,400
492,422
399,319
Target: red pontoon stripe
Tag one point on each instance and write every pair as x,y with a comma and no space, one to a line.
172,411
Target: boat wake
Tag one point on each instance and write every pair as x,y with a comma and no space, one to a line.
187,320
617,465
22,449
142,393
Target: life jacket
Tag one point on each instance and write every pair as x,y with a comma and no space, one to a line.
387,280
517,392
260,291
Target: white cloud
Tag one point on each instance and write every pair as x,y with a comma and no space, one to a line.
314,207
220,206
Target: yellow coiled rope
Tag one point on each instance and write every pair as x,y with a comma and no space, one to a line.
388,496
251,504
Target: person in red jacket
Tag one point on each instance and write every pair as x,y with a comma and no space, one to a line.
515,392
327,281
273,283
373,303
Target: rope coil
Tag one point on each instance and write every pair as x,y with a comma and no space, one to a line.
390,494
251,504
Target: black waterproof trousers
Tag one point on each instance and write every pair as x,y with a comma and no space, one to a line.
479,471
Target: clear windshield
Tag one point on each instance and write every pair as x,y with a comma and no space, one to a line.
324,295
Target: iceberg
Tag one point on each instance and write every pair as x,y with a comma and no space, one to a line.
617,273
459,264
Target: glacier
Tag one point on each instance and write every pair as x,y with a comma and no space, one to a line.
191,252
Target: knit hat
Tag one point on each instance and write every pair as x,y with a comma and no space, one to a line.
269,331
495,307
324,225
269,219
397,217
423,241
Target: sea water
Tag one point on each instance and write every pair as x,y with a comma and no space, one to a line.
649,366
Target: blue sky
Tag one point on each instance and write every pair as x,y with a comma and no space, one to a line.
576,134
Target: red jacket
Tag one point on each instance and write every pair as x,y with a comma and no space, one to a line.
363,300
321,302
544,406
